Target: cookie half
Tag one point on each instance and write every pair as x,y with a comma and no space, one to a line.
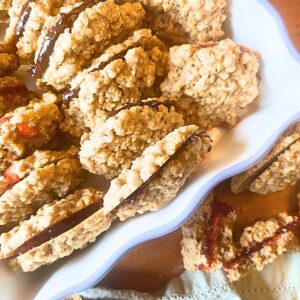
27,128
112,146
70,40
117,77
279,169
155,177
38,179
56,231
214,82
208,236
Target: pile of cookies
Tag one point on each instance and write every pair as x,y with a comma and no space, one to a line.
126,90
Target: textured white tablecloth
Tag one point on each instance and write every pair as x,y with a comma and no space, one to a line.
279,280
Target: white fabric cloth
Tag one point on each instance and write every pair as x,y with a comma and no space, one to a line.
278,281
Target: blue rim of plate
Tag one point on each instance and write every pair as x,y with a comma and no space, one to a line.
198,198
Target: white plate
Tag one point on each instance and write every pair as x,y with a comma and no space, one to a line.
256,24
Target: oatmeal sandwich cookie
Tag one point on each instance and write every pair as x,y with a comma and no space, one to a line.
279,169
260,244
29,183
208,236
112,146
118,77
214,81
196,21
70,40
27,128
208,242
13,94
156,176
56,231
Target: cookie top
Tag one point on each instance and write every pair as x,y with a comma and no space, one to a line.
220,78
200,20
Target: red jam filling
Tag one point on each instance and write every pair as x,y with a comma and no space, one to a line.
212,231
23,130
10,176
4,120
248,251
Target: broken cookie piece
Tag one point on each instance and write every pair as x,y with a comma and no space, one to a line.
8,61
214,82
13,94
207,236
70,40
196,21
27,128
279,169
56,231
261,244
112,146
156,176
118,77
29,183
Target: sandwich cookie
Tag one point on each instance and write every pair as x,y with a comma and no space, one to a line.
56,231
26,20
208,236
29,183
156,176
70,40
27,128
279,169
118,77
112,146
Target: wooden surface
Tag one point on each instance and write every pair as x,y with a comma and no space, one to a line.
150,266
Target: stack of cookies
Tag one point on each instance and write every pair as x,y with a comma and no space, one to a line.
126,91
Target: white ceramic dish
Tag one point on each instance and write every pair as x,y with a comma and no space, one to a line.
256,24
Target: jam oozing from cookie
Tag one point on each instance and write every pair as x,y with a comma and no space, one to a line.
27,132
74,93
58,228
4,120
64,21
22,21
212,232
248,251
10,176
